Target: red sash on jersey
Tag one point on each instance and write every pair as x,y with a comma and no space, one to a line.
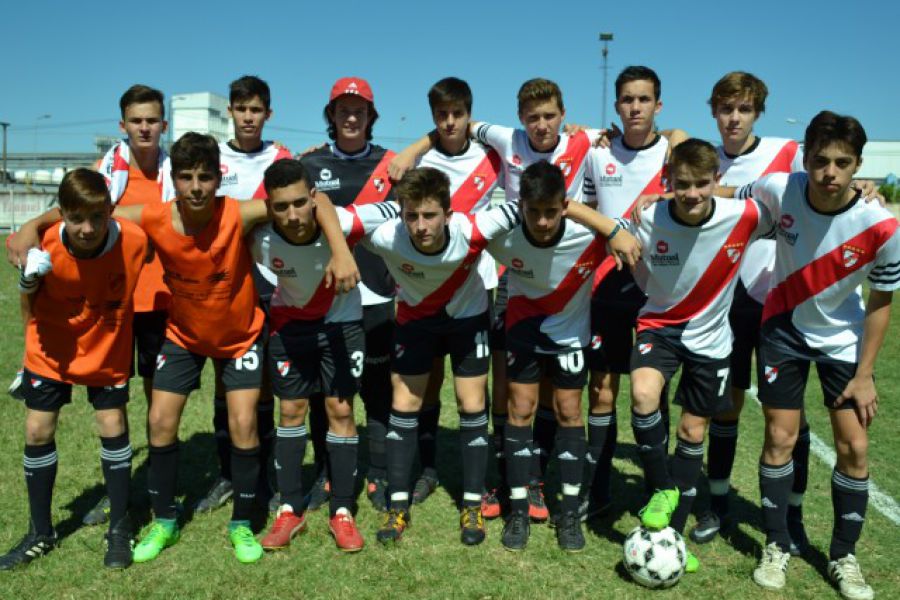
260,193
472,189
654,186
520,307
784,160
378,185
828,269
438,299
572,158
717,276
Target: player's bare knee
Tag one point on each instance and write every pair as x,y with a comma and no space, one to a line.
293,413
853,456
111,423
692,432
39,432
779,443
644,399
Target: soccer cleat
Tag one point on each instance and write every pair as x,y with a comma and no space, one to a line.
490,505
799,541
537,507
320,494
691,563
220,493
771,571
30,547
568,532
161,534
15,387
592,508
120,545
658,512
394,522
516,531
471,524
246,548
286,526
274,502
847,576
706,529
376,490
97,515
346,535
425,486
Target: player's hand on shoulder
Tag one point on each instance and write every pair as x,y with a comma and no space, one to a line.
644,202
309,150
18,244
341,272
868,190
402,162
604,140
861,390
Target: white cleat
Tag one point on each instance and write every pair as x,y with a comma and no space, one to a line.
847,576
771,571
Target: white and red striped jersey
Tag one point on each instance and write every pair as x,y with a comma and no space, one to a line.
615,177
473,174
549,287
814,309
689,271
242,172
446,282
766,155
300,293
517,154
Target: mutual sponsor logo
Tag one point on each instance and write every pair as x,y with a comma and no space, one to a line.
277,263
645,348
407,268
160,361
851,255
516,160
610,179
734,251
786,223
223,168
231,179
410,271
662,258
596,342
284,367
610,169
517,263
325,174
328,184
517,266
771,373
662,247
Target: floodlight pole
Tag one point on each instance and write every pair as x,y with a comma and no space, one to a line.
5,177
606,38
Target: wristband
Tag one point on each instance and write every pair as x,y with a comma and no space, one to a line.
613,233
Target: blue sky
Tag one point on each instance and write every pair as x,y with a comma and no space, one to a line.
72,60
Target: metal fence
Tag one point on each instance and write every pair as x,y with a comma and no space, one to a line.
17,207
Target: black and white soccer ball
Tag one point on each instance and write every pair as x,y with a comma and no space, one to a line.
655,559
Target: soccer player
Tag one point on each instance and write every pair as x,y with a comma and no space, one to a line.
828,242
737,101
80,333
474,172
316,346
695,244
541,111
244,160
615,177
551,262
353,171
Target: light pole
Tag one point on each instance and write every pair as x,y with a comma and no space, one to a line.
3,174
36,121
606,38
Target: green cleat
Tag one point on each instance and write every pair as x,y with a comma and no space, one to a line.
162,534
658,512
692,564
246,547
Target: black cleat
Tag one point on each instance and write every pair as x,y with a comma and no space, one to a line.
425,486
568,532
120,545
97,515
707,528
376,491
30,547
320,494
516,531
799,541
220,493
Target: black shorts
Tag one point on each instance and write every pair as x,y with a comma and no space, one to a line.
705,386
310,358
782,379
378,324
614,310
498,314
178,370
149,335
745,318
49,395
566,370
418,343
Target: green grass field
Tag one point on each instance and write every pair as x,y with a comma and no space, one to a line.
429,562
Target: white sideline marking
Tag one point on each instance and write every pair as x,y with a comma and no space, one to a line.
881,501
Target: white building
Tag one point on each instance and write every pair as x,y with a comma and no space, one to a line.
203,112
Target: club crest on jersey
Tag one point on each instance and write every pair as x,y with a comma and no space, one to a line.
645,348
565,165
733,251
399,349
478,180
662,258
510,358
378,182
160,361
35,382
787,222
851,255
517,160
284,367
771,373
596,342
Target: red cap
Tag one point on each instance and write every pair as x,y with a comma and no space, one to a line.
352,85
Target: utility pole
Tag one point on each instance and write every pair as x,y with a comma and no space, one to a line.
606,38
5,177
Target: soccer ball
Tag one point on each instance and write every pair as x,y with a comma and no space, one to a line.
655,559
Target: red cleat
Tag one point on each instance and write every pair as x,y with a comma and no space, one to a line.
537,507
346,535
490,505
286,526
